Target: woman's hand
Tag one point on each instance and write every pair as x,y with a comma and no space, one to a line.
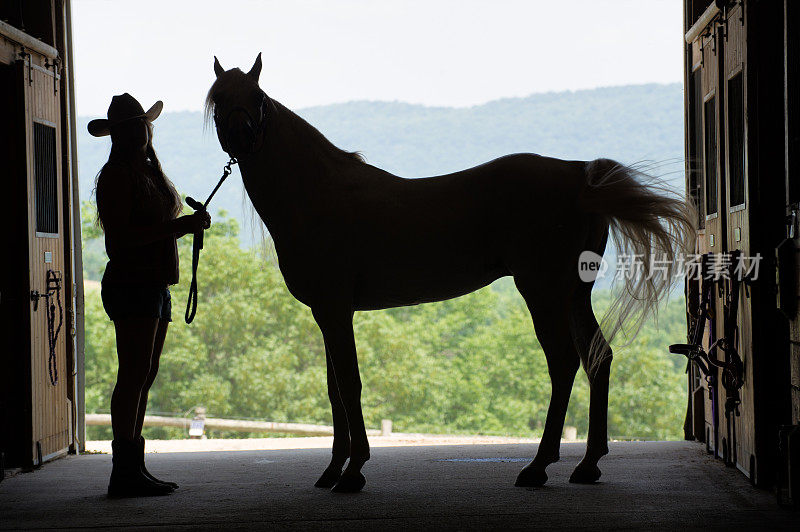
194,223
205,217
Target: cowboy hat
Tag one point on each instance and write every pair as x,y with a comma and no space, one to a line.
123,107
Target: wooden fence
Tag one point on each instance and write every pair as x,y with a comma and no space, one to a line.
238,425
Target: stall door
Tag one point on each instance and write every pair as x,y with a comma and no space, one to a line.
698,387
739,428
50,413
711,240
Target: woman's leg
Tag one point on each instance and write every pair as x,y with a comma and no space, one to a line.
135,342
158,347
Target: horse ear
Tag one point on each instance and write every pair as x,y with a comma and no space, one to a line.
256,70
218,70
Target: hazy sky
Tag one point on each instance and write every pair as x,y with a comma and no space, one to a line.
435,52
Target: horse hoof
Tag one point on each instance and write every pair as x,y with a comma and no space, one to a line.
531,478
349,483
585,474
328,478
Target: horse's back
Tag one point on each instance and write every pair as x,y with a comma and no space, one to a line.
522,179
508,196
433,238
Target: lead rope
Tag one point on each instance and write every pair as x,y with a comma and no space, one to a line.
197,242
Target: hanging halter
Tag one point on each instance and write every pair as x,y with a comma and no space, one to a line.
52,295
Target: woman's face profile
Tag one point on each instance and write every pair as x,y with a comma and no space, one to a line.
131,135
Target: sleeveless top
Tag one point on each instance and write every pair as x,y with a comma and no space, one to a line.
121,197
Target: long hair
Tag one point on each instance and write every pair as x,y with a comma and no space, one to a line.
152,181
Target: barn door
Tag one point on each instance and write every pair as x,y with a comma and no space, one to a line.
739,428
709,195
51,410
699,412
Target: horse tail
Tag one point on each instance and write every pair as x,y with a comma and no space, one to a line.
651,225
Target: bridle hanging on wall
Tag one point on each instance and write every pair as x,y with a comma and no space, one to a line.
52,297
53,289
731,366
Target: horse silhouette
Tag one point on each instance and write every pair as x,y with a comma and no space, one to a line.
350,236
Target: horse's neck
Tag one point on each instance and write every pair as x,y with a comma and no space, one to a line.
298,148
293,162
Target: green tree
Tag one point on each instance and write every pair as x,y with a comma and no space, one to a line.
469,365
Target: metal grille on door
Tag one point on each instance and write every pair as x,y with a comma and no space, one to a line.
44,138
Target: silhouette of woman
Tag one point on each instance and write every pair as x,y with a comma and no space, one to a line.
137,208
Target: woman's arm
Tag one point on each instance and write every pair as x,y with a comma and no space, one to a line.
115,203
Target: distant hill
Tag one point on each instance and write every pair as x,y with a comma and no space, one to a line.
627,123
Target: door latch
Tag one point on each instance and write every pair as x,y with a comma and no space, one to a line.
35,296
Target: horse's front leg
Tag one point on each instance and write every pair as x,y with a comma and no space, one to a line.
341,432
336,325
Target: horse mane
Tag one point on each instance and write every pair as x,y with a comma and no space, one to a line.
317,139
233,79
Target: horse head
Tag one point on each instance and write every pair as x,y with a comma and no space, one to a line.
239,108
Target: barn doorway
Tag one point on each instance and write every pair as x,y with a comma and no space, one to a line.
14,262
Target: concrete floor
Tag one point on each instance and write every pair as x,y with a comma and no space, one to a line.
671,485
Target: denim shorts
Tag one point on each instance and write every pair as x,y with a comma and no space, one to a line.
136,301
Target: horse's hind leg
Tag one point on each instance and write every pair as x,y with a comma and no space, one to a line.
584,326
551,321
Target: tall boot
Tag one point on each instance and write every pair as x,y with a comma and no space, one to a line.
147,473
127,479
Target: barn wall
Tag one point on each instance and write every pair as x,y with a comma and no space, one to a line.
38,410
735,138
791,66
